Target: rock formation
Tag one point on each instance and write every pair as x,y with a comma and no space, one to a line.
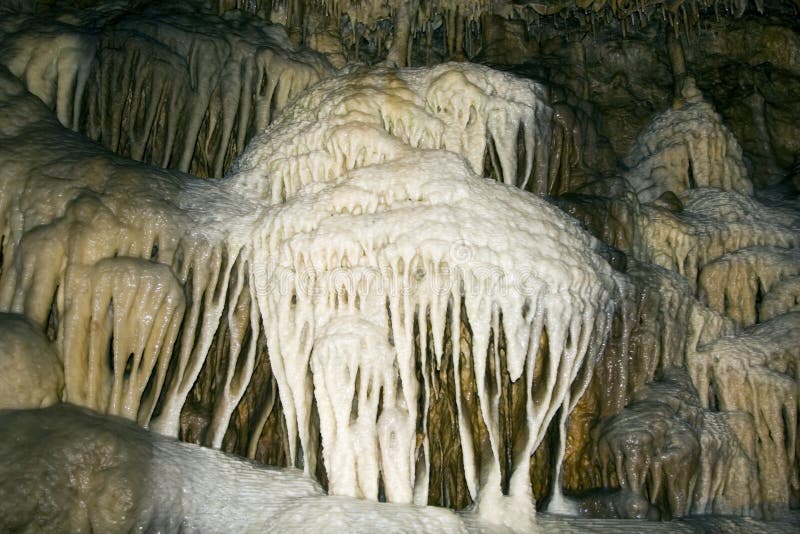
569,284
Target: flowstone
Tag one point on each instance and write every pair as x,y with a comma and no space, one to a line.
756,372
71,469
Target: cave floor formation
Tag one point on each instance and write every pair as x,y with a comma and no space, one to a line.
552,290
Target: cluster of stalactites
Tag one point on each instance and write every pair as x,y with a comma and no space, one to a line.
138,273
126,300
384,21
371,257
740,259
756,372
738,256
740,284
154,90
365,18
709,224
125,268
364,119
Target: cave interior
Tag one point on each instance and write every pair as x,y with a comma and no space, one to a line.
476,265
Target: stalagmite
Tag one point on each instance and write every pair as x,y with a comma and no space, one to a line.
352,360
684,148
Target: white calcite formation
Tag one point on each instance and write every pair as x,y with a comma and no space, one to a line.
318,262
355,298
156,88
362,119
357,241
686,147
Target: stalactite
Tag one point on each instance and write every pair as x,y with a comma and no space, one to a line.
135,310
356,301
288,253
445,107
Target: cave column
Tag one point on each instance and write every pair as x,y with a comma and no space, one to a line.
295,21
676,59
403,21
460,23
